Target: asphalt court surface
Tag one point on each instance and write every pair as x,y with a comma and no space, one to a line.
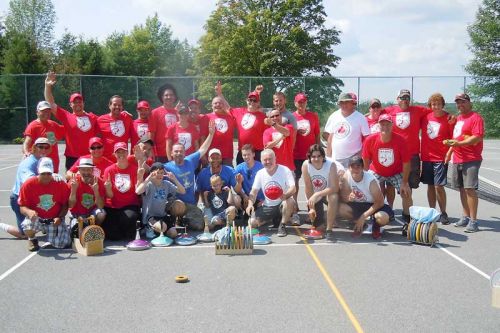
352,284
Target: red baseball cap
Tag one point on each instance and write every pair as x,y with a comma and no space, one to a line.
120,145
95,140
75,96
255,95
142,105
300,97
385,117
194,101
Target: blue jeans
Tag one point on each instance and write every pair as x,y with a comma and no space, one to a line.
17,210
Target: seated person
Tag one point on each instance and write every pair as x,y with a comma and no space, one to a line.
219,202
159,206
96,149
362,198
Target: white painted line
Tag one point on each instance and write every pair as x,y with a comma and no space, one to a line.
9,167
5,207
487,181
454,256
19,264
490,169
6,190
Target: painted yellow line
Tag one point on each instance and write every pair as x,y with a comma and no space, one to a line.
329,280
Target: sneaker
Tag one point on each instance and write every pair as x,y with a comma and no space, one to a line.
471,227
463,222
376,231
295,220
368,230
329,235
404,231
444,219
33,245
282,230
406,218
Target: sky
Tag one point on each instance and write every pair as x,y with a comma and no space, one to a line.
379,37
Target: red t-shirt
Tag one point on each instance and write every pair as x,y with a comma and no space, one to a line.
45,199
251,127
187,136
223,137
50,130
407,124
140,130
85,199
434,131
79,130
284,149
309,123
201,124
471,124
387,158
113,131
100,165
161,119
123,181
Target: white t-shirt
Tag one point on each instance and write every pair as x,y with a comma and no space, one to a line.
320,179
347,133
273,186
362,189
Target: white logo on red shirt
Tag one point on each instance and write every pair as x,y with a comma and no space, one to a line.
97,172
341,130
273,190
117,128
122,182
318,183
375,128
457,131
433,129
185,140
276,136
142,130
305,126
221,125
248,120
403,119
170,119
83,123
386,156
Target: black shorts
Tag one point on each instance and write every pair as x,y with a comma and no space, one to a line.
414,177
434,173
298,168
268,214
358,208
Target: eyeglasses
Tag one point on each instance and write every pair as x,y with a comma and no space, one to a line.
43,147
95,147
252,100
404,98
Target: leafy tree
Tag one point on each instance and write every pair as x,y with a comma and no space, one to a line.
271,38
485,46
78,56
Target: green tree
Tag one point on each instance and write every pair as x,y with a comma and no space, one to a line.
271,38
78,56
485,46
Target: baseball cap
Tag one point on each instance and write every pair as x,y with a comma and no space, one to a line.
42,141
356,160
194,101
375,101
156,166
43,105
120,145
462,97
142,105
214,151
85,163
385,117
147,140
255,95
45,165
404,92
95,140
300,97
346,97
75,96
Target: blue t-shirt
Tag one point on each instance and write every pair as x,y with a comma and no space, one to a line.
185,175
27,168
203,180
249,177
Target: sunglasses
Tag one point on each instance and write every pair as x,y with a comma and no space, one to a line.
376,106
404,98
253,100
43,147
95,147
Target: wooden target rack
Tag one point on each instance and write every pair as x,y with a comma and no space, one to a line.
237,240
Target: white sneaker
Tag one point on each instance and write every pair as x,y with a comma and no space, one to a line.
368,229
295,220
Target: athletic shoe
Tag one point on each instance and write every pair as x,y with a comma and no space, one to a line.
471,227
282,230
376,232
295,220
444,219
329,235
33,245
369,228
463,222
404,231
406,218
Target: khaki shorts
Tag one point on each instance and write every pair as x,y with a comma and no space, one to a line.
465,175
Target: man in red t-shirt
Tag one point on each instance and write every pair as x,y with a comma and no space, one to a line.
224,129
467,147
279,138
44,201
96,149
386,155
141,124
183,132
374,111
80,125
435,129
161,119
115,126
43,127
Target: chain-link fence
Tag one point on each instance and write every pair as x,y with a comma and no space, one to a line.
19,94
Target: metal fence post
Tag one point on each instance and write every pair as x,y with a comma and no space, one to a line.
359,88
26,99
412,95
465,84
136,89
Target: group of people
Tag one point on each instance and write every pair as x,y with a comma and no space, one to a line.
179,167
